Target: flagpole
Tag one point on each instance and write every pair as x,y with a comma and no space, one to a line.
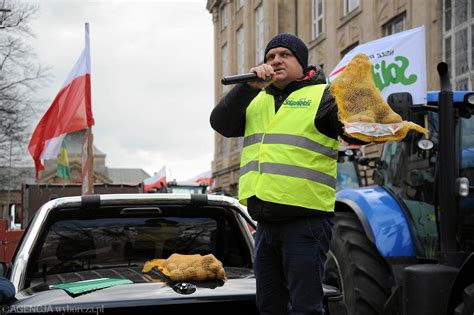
88,177
88,159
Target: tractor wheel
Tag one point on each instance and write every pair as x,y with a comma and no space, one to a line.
355,267
466,307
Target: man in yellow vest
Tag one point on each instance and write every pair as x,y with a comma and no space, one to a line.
287,172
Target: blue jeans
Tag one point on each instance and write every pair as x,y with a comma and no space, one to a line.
289,265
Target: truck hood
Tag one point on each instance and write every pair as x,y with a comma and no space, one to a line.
143,291
138,294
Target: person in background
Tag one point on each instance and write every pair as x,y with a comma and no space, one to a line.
7,291
287,172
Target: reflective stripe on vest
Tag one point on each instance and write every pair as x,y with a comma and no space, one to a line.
249,167
284,158
253,139
289,170
297,141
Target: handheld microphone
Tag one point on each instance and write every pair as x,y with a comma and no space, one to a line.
243,78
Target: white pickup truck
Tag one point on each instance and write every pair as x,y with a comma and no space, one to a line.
86,254
82,254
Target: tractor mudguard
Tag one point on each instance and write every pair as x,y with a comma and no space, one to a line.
382,218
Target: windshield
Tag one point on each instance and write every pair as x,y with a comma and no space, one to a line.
76,242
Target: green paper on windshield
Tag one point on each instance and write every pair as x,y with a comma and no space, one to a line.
85,286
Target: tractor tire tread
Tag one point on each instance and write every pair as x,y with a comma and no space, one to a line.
365,269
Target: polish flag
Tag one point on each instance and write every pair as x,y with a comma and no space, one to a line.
156,181
204,178
70,111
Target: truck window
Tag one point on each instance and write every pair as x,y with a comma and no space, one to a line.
74,243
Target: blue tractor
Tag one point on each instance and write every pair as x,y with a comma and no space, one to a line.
405,245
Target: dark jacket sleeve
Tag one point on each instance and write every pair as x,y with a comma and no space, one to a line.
7,290
228,117
327,120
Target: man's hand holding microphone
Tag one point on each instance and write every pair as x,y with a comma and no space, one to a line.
259,77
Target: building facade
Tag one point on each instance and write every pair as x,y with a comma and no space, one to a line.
331,28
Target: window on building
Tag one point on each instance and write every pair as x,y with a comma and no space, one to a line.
318,18
447,15
350,5
348,49
240,143
225,65
240,50
460,50
224,17
259,39
460,12
447,53
234,190
458,41
395,25
462,84
225,150
239,4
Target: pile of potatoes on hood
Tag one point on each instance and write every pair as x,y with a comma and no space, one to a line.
179,267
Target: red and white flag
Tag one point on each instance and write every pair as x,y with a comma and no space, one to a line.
156,181
70,111
204,178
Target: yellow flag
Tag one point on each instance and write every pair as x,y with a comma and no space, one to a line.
62,169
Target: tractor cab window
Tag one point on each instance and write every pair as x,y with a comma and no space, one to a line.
467,149
409,173
466,214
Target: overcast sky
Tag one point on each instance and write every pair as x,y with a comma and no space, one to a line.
152,77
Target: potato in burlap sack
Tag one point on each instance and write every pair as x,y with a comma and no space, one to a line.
179,267
362,110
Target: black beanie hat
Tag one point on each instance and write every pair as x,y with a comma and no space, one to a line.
293,43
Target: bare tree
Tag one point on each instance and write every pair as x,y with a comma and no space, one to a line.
21,76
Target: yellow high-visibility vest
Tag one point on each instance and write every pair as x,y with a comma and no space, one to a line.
285,159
